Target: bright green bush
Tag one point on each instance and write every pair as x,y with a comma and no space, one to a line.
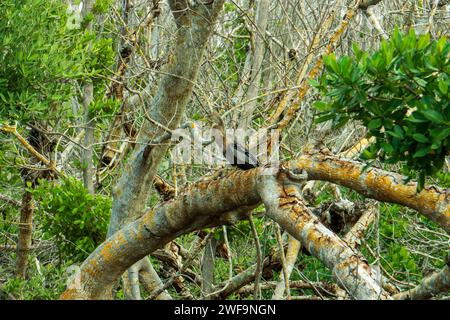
75,219
400,93
42,57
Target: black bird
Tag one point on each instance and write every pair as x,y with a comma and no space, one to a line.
235,153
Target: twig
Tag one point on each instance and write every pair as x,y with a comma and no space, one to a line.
283,259
230,258
257,291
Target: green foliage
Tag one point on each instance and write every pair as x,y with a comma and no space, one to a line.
41,56
400,259
400,93
46,284
76,219
102,6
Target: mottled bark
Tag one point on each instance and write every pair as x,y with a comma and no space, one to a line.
355,234
284,205
291,257
372,17
208,266
377,184
98,274
151,281
215,202
195,25
25,232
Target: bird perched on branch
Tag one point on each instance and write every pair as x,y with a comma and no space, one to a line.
236,154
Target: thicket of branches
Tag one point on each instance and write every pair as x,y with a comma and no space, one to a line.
93,203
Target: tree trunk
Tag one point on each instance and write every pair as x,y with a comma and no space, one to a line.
25,232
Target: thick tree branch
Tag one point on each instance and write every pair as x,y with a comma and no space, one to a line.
225,200
284,205
167,107
377,184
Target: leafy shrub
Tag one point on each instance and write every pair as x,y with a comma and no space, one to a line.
46,284
77,220
400,93
41,57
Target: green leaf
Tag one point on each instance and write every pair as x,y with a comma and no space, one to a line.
324,118
433,116
443,86
314,83
403,253
420,181
420,82
395,134
413,119
441,44
422,152
387,147
420,137
374,124
321,106
440,133
331,62
424,40
399,131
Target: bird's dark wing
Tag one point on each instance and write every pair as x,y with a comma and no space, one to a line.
238,156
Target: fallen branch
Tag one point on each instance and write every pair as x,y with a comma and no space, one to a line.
283,286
